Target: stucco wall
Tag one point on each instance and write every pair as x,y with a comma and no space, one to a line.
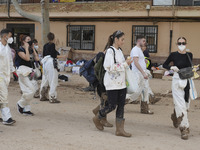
104,29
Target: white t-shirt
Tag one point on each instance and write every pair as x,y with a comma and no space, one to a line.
114,78
137,52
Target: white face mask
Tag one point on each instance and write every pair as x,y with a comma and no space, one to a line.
10,40
36,47
181,47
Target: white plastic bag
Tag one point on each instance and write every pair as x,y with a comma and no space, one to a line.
131,82
193,92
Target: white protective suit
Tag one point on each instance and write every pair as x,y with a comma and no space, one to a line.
49,77
6,68
181,106
144,90
27,86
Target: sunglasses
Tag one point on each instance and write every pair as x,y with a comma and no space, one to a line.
181,43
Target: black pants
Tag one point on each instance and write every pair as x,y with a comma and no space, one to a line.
116,98
187,91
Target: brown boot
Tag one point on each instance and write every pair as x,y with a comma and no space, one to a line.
37,94
145,108
153,100
176,121
105,123
53,100
120,129
184,133
43,94
97,122
96,110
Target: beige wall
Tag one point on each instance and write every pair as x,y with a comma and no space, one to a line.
104,29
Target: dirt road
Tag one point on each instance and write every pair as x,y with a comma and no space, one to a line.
69,126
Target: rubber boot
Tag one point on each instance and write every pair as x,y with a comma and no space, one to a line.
37,94
96,110
105,123
53,100
145,108
184,133
97,122
153,100
103,120
43,94
174,120
120,128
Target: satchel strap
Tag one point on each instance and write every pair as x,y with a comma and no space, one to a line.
189,59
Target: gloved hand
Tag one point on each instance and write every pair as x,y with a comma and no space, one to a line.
174,68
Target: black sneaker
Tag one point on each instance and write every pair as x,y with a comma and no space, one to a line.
28,113
10,121
1,120
20,109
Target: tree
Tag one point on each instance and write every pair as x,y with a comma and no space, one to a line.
43,19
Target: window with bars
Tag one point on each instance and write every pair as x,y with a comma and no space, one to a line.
150,33
81,37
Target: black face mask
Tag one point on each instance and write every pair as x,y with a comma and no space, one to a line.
30,43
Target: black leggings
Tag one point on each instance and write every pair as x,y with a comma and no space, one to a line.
116,98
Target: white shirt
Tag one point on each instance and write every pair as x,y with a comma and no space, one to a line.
114,78
6,62
137,52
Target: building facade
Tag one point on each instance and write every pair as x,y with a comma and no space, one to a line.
86,25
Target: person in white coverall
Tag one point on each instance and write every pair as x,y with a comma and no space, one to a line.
26,56
6,68
50,71
141,75
181,88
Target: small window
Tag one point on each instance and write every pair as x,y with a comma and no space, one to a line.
151,35
81,37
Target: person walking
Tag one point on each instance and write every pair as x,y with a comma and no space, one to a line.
141,76
6,68
50,71
180,87
26,56
115,84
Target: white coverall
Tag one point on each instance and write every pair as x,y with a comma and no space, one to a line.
181,106
49,77
6,68
143,89
27,86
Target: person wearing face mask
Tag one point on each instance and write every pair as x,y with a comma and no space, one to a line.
141,76
180,87
6,68
26,56
35,43
115,84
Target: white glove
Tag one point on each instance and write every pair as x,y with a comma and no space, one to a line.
174,68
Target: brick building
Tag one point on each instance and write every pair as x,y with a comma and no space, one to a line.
86,24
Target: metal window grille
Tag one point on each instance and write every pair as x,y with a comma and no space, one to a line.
81,37
150,33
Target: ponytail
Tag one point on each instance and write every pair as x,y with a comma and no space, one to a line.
111,39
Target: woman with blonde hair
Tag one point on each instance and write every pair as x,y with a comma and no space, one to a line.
181,60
